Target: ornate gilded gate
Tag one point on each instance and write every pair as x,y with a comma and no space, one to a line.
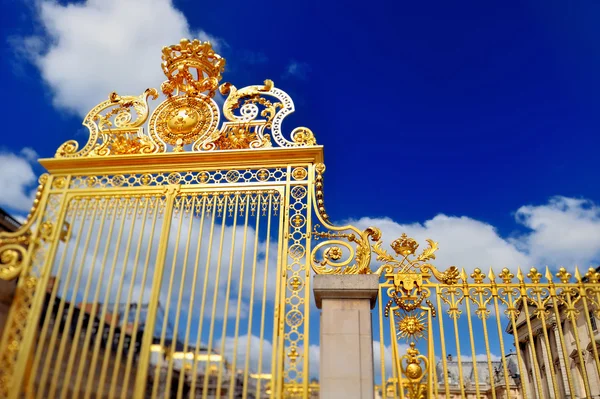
173,260
176,261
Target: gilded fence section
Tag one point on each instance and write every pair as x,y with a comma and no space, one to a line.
169,255
478,335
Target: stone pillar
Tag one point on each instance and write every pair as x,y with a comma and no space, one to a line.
346,367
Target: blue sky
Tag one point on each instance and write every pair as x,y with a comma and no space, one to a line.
473,123
472,109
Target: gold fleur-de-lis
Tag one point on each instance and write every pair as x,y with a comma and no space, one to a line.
506,276
563,275
534,275
478,276
592,275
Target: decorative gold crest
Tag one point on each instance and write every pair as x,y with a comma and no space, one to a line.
188,119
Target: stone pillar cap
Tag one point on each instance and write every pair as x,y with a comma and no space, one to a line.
346,286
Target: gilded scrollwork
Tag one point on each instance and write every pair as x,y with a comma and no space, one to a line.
251,103
325,256
189,118
115,127
14,246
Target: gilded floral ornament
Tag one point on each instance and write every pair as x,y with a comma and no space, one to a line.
15,246
334,260
189,119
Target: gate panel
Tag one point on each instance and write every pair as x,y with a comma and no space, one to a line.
213,335
108,252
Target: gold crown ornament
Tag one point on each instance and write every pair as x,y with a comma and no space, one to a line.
179,62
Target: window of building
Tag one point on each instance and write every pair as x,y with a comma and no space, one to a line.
593,321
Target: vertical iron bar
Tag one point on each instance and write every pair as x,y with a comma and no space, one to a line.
494,293
48,316
155,211
561,338
83,354
264,296
239,297
214,303
167,309
98,338
115,311
227,294
571,315
84,310
251,305
144,358
508,289
212,208
180,297
64,336
442,340
381,338
196,266
456,336
536,366
117,362
46,367
467,299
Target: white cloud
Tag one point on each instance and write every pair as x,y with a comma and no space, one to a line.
109,244
91,49
297,70
17,180
30,154
244,352
387,358
463,242
565,231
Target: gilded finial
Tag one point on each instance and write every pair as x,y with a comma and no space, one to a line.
563,275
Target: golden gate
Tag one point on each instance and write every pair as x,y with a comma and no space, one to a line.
172,256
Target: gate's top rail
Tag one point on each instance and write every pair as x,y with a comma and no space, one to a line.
192,161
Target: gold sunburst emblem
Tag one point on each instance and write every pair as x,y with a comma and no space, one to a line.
410,326
184,119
